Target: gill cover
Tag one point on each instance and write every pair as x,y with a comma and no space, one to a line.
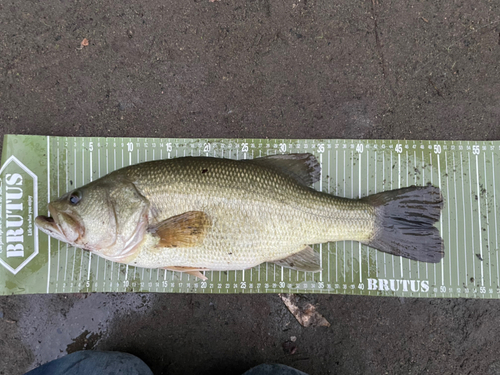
130,209
107,216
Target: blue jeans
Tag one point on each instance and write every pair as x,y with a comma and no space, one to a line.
116,363
93,362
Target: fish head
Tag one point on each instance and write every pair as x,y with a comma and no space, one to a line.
102,217
82,217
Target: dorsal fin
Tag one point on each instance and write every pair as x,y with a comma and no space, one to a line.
303,168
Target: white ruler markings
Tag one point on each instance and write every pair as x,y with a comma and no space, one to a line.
487,218
432,182
383,189
82,252
90,178
48,200
351,177
447,251
391,187
321,245
375,192
360,259
329,178
441,216
58,194
445,222
343,242
473,245
67,188
495,211
478,194
98,175
73,186
111,271
466,270
399,187
336,193
423,184
448,206
368,193
119,268
406,184
135,267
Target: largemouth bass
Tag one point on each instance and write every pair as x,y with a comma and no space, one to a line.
198,213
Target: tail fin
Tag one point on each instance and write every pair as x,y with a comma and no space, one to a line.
405,220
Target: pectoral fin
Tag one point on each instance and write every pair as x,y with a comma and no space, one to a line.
305,260
184,230
191,271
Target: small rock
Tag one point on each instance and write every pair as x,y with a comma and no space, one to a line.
289,347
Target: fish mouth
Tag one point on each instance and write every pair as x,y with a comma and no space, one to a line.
60,225
49,226
44,221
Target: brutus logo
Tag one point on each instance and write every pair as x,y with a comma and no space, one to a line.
18,208
395,285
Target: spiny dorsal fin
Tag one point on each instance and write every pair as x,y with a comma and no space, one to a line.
305,260
184,230
191,271
304,168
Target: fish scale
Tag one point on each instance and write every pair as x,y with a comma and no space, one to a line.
258,215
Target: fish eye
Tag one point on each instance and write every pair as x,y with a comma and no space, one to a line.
75,197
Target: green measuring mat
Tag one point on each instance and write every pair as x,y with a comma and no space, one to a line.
38,169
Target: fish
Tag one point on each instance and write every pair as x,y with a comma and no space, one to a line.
195,214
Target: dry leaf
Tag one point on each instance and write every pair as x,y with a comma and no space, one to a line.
304,311
84,43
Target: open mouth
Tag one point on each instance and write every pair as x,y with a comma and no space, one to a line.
46,219
47,224
60,225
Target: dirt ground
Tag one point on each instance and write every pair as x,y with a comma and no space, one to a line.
257,68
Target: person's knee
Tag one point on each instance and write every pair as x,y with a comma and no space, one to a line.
94,362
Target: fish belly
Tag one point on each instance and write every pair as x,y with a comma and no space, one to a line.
245,234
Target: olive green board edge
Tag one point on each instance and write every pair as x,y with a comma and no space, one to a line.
36,169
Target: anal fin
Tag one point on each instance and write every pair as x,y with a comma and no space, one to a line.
189,270
305,260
